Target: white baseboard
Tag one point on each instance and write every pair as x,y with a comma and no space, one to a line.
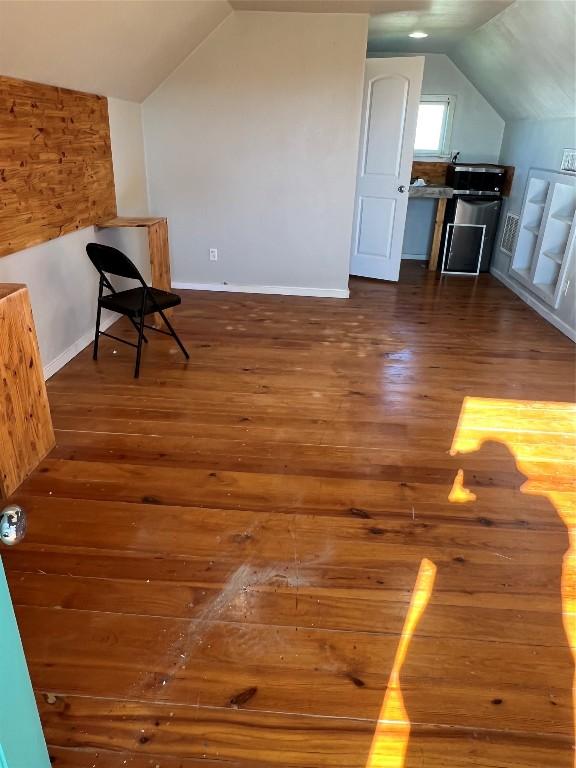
416,256
74,349
281,290
533,302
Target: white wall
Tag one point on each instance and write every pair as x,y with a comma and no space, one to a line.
477,131
128,157
251,148
62,282
536,144
477,128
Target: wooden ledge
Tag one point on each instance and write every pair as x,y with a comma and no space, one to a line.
127,221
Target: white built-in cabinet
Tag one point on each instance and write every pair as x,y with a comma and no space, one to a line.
546,234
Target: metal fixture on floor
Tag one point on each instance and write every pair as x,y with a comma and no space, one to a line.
12,525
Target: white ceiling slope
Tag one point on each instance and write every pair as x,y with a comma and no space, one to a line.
524,60
446,21
115,48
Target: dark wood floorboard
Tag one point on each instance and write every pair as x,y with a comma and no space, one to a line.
222,555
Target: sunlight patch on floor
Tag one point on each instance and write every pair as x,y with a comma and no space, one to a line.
541,436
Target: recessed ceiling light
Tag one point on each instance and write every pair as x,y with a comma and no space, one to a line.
418,35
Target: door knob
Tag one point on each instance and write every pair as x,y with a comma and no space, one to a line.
12,525
402,188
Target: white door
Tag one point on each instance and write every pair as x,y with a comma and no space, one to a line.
389,114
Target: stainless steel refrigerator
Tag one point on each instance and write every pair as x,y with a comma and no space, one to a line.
470,229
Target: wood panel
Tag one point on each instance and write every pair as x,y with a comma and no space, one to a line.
432,173
55,163
26,433
437,238
508,180
159,255
180,735
221,556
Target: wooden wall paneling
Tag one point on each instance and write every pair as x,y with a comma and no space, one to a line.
508,181
432,173
56,170
26,433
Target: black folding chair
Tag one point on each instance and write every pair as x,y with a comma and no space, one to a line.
135,303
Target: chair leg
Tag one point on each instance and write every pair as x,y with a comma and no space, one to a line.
137,327
97,334
139,349
175,335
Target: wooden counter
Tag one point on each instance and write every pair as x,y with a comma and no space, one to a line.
26,433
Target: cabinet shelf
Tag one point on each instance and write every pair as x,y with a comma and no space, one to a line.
556,256
546,235
546,288
564,219
523,273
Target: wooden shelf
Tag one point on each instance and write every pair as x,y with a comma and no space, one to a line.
133,221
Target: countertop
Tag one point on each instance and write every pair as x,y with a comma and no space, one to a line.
431,190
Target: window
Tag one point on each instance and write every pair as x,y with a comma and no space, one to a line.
434,127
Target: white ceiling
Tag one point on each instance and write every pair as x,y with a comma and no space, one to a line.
122,49
447,22
520,55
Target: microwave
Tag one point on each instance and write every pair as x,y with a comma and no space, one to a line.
476,179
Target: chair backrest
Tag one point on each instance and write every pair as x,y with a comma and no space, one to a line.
112,261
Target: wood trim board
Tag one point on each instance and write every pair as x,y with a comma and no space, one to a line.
56,172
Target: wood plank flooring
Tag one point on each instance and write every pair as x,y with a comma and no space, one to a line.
222,555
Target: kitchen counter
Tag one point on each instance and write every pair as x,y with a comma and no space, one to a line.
431,191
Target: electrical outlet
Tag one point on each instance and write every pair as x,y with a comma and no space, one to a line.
213,254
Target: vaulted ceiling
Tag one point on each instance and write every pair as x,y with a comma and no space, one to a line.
524,60
519,54
122,49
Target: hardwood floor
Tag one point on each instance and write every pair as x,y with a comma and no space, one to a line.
222,555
